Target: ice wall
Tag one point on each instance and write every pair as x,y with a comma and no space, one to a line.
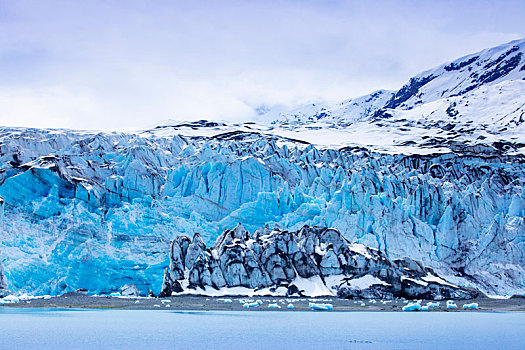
97,211
3,280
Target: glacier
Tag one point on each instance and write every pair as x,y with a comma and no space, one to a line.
434,171
3,282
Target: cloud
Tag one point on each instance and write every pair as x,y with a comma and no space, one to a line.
125,64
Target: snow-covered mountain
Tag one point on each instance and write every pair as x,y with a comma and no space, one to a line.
434,172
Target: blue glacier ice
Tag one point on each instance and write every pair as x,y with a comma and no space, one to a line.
98,210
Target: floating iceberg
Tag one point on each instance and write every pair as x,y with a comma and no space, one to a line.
432,304
470,306
320,307
451,305
249,305
412,307
10,299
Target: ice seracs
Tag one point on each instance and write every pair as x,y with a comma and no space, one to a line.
3,281
129,290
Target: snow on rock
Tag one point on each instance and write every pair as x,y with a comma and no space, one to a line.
475,100
312,261
365,282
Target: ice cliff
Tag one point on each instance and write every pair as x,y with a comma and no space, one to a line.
312,261
3,281
438,178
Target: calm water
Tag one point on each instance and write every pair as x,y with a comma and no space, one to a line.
159,329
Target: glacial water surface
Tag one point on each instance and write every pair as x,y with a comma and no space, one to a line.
162,329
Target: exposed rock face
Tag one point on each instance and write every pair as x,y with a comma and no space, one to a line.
295,260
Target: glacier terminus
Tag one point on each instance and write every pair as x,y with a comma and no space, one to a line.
428,179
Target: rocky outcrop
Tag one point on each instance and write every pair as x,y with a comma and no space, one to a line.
312,258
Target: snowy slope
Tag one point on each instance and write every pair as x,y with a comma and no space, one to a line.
439,178
477,99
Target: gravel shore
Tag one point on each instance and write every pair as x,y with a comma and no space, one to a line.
81,301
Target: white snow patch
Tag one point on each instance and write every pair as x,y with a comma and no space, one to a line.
365,282
436,279
421,283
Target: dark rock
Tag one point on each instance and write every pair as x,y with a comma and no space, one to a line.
408,90
457,66
273,259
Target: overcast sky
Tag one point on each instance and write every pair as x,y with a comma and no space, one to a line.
128,64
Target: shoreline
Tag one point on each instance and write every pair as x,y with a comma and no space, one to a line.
235,303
